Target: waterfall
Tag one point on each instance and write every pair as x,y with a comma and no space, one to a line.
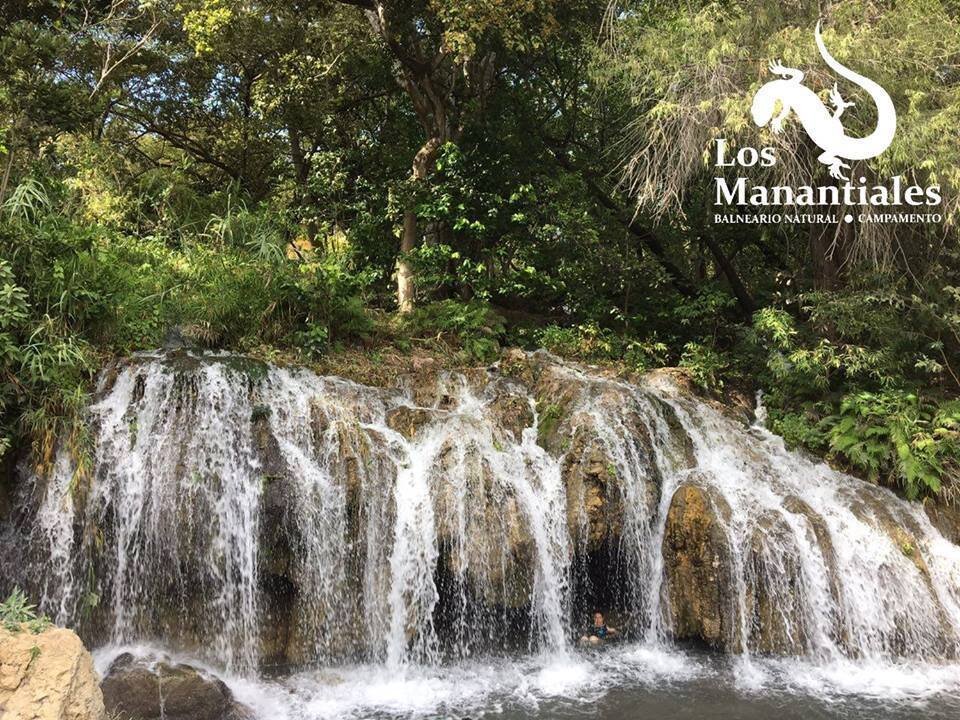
254,514
850,569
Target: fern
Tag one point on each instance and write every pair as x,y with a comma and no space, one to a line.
897,438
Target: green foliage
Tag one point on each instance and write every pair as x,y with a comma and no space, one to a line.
44,367
593,343
330,295
583,342
315,340
27,202
898,437
473,328
549,417
866,394
13,317
95,290
691,70
242,177
15,611
706,365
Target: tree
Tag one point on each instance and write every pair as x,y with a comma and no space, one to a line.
448,56
692,70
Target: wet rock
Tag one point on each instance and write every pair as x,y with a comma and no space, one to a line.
497,563
675,377
697,560
47,676
594,501
946,519
511,411
556,393
515,363
408,421
774,587
425,387
438,389
175,338
822,540
900,528
873,506
139,690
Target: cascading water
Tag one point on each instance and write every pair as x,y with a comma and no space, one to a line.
252,515
849,569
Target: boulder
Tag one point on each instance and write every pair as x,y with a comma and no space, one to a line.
143,690
47,676
698,565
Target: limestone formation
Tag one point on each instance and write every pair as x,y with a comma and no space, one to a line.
271,503
697,558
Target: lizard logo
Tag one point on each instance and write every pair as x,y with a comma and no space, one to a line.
824,127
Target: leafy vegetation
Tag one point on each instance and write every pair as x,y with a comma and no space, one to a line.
312,179
16,612
897,436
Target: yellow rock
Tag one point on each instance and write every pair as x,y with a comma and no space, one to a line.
48,676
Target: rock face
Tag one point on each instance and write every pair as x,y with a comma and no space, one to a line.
594,506
138,690
265,508
946,518
48,676
697,559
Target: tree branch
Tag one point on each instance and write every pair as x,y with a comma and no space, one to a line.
650,241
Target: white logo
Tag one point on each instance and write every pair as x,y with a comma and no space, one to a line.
824,127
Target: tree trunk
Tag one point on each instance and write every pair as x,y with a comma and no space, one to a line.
302,171
430,79
824,254
406,290
744,299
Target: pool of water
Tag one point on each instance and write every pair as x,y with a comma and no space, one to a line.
623,683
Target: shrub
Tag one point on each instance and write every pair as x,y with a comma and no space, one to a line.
899,438
706,365
15,611
472,327
589,341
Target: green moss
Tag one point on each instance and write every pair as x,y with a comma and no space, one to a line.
253,370
266,480
548,421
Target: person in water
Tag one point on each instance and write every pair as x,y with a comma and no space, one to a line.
599,633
